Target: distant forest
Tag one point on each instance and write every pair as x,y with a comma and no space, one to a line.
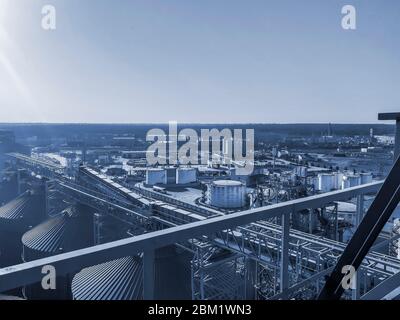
140,130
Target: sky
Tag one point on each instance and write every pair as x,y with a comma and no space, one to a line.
202,61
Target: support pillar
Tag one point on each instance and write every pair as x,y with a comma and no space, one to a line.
359,216
285,252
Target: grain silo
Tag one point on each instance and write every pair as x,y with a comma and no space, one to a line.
122,279
15,218
186,175
227,194
8,187
70,230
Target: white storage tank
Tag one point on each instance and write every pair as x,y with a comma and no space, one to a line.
186,175
156,176
366,178
350,181
227,194
326,182
338,180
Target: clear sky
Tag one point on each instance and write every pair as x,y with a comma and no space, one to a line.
199,61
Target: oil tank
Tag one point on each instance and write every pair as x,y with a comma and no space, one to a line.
156,176
227,194
350,181
366,178
338,180
65,232
15,218
186,175
326,182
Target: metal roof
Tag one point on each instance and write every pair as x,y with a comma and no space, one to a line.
50,235
119,279
15,209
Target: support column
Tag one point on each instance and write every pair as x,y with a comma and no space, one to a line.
148,275
285,252
360,209
359,216
397,140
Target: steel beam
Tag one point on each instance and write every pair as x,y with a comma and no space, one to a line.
30,272
285,252
383,289
366,234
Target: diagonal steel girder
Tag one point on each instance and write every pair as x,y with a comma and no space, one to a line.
366,234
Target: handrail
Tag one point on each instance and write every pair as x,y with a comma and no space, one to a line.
30,272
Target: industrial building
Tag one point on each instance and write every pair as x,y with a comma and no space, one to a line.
188,232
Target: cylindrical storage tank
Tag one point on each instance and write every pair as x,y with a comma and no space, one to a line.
62,233
156,176
120,279
338,180
326,182
186,175
8,188
15,218
366,178
350,181
228,194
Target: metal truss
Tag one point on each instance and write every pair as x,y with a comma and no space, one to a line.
255,252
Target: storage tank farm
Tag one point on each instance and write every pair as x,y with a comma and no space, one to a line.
70,230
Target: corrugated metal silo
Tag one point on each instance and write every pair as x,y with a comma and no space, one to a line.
65,232
122,279
15,218
119,279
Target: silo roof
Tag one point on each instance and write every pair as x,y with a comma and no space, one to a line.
119,279
50,235
15,209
